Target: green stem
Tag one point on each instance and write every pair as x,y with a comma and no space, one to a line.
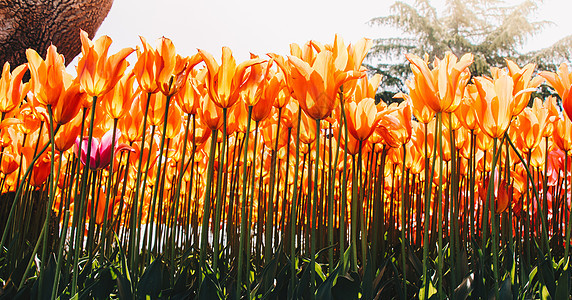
158,173
314,204
50,197
218,203
496,153
83,195
135,228
404,259
439,200
108,194
242,238
207,203
535,192
176,196
294,211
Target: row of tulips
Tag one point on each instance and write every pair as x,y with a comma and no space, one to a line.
282,155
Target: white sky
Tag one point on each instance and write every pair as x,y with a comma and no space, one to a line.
260,26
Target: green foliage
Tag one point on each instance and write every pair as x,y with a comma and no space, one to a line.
490,29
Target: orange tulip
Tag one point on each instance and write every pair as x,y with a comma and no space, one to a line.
561,81
47,77
367,87
69,104
131,125
315,86
443,86
349,59
362,118
237,118
96,72
30,121
145,70
523,80
193,92
306,53
466,113
226,81
529,130
563,133
118,101
493,106
210,114
156,112
10,161
396,127
66,136
12,91
261,110
174,122
419,106
172,69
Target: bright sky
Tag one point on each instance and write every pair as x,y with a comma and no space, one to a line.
262,26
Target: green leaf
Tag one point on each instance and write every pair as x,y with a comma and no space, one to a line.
47,277
209,289
506,289
347,287
432,291
325,289
462,291
123,285
151,283
303,288
547,275
104,285
563,285
367,281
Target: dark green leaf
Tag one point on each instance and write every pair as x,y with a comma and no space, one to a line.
506,289
151,283
209,289
563,285
464,289
347,287
123,286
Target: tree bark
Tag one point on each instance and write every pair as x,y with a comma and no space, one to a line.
38,23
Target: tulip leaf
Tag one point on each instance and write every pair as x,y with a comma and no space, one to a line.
347,287
150,283
303,288
209,288
506,289
563,285
123,285
464,289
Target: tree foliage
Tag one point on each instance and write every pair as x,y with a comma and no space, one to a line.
490,29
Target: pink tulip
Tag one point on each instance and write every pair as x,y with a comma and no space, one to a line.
100,154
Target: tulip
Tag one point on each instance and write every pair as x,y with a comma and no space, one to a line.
100,154
523,80
47,77
442,88
561,81
66,136
226,81
69,104
493,106
315,86
12,91
96,72
563,133
362,118
118,101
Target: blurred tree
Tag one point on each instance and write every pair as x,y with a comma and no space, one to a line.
490,29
